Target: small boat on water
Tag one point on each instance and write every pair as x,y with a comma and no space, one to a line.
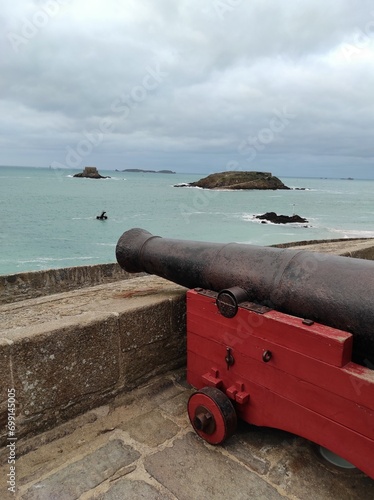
102,216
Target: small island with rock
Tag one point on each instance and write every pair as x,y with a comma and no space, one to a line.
238,180
280,219
91,173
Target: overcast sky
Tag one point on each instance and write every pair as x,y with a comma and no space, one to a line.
189,85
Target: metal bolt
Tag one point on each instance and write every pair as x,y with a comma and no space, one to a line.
266,356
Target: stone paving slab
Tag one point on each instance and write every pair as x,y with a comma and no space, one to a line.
190,467
133,490
85,474
141,446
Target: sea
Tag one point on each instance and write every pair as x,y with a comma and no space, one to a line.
48,217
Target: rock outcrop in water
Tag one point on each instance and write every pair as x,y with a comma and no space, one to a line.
239,180
91,173
281,219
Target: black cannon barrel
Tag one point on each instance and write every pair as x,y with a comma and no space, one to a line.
333,290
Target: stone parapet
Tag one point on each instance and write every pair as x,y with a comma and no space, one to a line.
67,353
29,285
359,248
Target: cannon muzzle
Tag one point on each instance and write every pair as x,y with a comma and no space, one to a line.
333,290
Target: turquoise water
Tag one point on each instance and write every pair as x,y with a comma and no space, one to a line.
49,218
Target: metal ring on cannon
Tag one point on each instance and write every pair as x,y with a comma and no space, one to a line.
228,300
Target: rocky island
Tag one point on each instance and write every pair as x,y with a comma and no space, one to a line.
91,173
238,180
281,219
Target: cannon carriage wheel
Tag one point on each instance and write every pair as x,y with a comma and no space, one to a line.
212,415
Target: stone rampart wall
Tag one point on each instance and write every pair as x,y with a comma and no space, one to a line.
67,353
30,285
359,248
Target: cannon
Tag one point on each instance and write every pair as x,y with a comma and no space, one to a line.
333,290
278,337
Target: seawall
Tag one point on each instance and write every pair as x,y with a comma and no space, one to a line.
30,285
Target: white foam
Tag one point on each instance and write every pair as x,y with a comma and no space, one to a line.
353,233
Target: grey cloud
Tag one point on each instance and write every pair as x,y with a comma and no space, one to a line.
162,80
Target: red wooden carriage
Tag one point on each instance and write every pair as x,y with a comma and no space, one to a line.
277,337
276,370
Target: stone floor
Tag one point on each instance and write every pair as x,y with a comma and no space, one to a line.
141,446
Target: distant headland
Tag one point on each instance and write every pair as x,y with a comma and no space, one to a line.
238,180
147,171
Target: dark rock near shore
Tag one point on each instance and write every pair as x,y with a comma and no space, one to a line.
91,173
239,180
281,219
